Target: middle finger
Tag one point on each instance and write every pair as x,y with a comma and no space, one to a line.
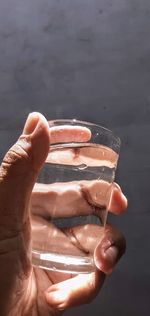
76,198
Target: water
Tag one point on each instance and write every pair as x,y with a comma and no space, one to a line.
69,206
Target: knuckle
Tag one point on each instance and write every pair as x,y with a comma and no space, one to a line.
17,159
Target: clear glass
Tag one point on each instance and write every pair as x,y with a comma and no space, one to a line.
71,197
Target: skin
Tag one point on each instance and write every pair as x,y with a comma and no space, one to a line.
25,290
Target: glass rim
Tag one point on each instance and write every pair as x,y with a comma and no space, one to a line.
105,129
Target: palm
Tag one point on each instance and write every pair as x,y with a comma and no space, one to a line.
41,281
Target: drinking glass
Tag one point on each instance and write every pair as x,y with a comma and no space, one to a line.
70,200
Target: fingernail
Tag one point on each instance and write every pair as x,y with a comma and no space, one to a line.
116,185
31,123
106,258
112,255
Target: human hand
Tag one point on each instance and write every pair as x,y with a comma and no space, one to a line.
25,290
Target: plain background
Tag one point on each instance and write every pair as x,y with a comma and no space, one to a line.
88,59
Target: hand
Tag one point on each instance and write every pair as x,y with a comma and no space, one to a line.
28,291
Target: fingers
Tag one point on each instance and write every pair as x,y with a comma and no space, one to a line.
86,154
52,239
77,241
76,198
118,201
67,133
60,200
81,289
71,198
110,249
19,170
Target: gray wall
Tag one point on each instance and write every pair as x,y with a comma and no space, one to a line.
90,60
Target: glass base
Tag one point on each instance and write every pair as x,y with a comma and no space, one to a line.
63,263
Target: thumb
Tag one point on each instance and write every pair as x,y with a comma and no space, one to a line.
19,170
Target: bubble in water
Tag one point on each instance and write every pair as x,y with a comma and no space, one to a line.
82,167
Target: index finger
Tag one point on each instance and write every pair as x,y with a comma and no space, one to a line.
67,133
